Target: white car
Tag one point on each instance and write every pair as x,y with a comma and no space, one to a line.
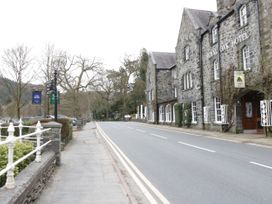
127,117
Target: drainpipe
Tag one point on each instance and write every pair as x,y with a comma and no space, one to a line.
201,78
156,96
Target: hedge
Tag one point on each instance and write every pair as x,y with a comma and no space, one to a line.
20,149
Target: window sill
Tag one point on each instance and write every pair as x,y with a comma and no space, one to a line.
242,26
217,123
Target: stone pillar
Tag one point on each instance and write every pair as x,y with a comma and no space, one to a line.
145,112
137,115
55,135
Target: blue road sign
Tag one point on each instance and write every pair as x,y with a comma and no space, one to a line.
36,97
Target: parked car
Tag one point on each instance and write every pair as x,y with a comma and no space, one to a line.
127,117
74,121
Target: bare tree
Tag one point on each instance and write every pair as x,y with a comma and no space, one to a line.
19,73
105,89
77,74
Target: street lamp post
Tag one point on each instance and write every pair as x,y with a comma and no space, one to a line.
55,95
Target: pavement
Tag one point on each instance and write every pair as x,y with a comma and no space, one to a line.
89,173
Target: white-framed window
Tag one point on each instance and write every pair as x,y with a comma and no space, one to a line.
168,113
206,114
216,69
217,110
186,53
174,112
161,113
214,34
243,15
187,81
246,58
194,113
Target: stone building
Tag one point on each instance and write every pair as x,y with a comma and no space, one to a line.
161,92
223,67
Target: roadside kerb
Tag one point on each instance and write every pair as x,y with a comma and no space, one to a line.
143,183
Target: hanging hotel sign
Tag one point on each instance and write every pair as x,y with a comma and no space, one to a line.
229,44
266,113
224,114
239,79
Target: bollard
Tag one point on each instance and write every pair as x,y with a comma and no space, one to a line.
10,182
55,135
38,134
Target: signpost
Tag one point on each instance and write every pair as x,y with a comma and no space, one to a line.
36,97
239,79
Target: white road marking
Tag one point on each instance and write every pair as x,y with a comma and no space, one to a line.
131,168
130,128
262,165
169,130
159,136
208,150
228,140
139,130
259,145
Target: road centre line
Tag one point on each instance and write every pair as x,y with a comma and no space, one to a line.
139,130
259,145
262,165
176,131
158,136
223,139
197,147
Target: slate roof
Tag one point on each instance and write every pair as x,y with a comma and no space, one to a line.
163,60
200,18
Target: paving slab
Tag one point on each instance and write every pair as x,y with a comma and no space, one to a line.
87,174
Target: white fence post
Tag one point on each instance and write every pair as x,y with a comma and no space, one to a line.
38,134
20,128
10,182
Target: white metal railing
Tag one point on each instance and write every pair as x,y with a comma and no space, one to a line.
10,142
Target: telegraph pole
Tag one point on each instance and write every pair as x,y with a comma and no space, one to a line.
56,95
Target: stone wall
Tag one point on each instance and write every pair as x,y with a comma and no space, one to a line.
265,7
232,39
164,85
189,36
151,86
30,182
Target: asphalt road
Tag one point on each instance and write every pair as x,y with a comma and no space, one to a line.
189,168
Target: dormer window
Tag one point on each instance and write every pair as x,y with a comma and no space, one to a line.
214,35
187,53
243,15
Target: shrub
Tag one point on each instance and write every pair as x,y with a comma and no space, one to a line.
178,115
20,149
66,130
186,115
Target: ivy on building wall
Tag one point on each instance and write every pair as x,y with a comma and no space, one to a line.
178,114
187,115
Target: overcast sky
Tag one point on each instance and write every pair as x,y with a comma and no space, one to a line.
106,29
